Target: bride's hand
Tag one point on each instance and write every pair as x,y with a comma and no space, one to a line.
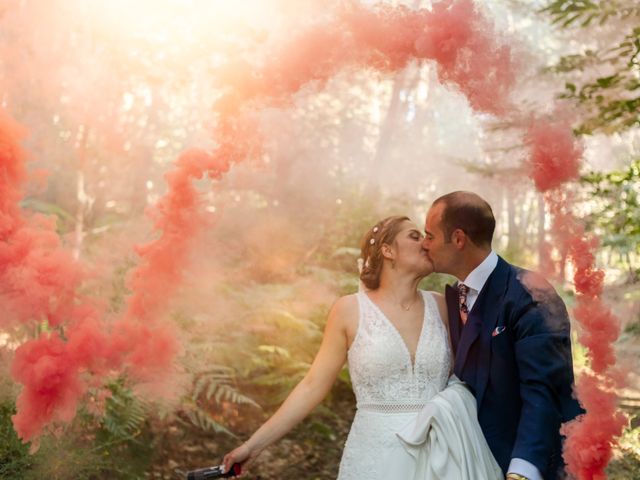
241,455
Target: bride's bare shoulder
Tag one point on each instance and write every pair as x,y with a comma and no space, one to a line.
344,316
346,306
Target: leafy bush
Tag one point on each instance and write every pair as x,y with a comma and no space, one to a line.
14,455
613,199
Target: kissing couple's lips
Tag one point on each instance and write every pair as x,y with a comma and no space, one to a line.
426,256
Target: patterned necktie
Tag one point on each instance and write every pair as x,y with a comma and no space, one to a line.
463,290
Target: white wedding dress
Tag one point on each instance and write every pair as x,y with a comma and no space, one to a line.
399,427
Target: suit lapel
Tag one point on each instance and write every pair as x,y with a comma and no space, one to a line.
470,333
489,311
451,297
481,322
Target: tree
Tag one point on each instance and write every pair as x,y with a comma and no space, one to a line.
603,78
617,198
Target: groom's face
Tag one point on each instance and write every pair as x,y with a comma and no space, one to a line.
439,249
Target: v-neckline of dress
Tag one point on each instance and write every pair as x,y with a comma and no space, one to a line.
412,358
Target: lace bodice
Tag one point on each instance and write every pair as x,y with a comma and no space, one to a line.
382,373
389,388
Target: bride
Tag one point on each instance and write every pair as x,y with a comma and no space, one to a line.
413,421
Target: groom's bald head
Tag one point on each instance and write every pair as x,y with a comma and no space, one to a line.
468,212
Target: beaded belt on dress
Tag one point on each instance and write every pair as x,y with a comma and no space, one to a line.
390,408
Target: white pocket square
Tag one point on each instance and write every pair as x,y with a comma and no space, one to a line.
498,331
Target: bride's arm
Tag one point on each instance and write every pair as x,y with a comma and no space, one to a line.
310,391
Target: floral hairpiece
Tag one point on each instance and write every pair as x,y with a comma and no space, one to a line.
375,230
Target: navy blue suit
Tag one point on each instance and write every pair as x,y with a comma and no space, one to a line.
515,354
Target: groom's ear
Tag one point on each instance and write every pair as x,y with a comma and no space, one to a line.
459,238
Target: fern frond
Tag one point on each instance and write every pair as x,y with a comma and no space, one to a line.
124,412
228,393
274,349
204,420
218,384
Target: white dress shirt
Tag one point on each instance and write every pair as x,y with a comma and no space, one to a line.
475,281
478,277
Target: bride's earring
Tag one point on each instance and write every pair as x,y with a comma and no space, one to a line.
393,264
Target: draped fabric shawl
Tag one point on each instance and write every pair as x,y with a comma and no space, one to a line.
445,441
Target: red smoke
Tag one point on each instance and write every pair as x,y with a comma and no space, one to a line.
555,155
464,44
453,34
599,328
38,278
40,281
52,387
178,218
554,160
590,439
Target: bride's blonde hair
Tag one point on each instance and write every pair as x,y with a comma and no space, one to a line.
384,231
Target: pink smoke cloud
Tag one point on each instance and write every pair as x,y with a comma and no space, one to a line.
464,43
51,385
454,34
554,153
554,160
590,439
40,280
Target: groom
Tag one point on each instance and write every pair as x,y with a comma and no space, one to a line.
510,336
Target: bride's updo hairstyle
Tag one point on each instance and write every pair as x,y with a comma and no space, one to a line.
384,231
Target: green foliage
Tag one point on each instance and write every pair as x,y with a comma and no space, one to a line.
278,373
213,390
436,282
122,443
86,450
614,199
358,213
56,459
65,220
217,384
203,419
278,366
124,412
627,465
610,102
14,455
633,329
585,12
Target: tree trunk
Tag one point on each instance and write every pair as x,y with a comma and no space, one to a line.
388,125
81,195
513,238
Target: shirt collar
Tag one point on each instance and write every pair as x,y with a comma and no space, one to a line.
479,275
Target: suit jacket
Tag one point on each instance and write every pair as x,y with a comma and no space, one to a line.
515,354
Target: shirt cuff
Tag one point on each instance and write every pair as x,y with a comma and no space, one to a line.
522,467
